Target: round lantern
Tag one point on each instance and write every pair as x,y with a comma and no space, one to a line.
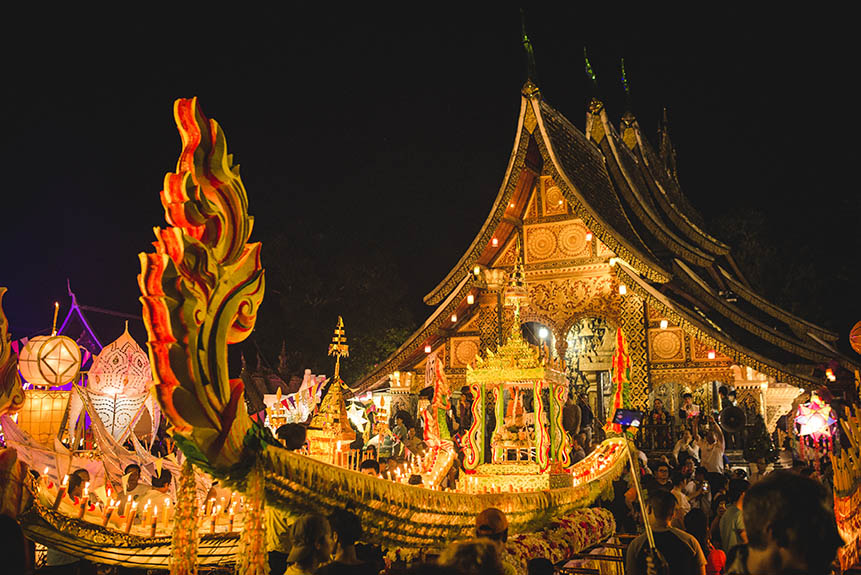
50,360
855,337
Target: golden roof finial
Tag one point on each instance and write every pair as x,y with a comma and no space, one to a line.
339,347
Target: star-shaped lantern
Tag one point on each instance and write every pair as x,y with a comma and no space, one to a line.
815,418
356,413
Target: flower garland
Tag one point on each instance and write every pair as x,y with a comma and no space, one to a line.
183,548
252,556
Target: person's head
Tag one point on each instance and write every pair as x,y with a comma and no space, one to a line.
540,566
739,474
134,472
678,479
76,485
392,463
581,438
662,505
411,432
686,436
292,435
687,398
659,405
662,472
737,488
492,524
687,467
719,505
700,474
369,467
723,391
697,525
473,557
85,475
789,521
346,528
415,479
718,483
311,540
161,482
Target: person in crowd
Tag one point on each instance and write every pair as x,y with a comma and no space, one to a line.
292,435
415,479
160,489
492,524
660,479
370,467
682,504
688,409
587,418
698,492
57,561
311,544
687,468
571,416
621,506
577,451
680,550
718,510
473,557
414,443
133,487
712,448
685,445
697,525
732,531
659,425
392,465
13,547
790,527
347,530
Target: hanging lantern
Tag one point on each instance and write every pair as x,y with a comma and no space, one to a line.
50,361
855,337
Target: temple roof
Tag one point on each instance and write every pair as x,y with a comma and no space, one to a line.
629,196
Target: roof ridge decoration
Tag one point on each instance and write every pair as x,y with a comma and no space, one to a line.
530,87
643,211
667,151
644,261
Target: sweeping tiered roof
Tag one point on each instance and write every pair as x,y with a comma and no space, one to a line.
629,196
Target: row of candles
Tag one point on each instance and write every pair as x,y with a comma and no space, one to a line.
150,517
473,485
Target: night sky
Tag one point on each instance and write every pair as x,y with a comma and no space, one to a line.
394,129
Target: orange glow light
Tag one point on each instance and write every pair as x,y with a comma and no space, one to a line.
588,236
470,299
494,242
427,349
712,354
453,318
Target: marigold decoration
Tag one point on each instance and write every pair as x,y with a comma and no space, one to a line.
185,540
252,556
11,392
621,377
201,291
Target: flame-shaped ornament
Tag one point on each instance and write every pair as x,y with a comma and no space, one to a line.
201,291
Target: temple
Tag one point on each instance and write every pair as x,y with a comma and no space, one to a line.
608,239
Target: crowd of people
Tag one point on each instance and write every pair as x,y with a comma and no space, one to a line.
709,519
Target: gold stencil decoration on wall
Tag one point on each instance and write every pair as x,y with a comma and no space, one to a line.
572,240
667,345
464,351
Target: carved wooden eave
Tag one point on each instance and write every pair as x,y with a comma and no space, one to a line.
708,332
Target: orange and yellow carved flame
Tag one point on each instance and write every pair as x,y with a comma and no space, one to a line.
11,392
201,289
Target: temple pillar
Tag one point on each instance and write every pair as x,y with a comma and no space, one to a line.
632,320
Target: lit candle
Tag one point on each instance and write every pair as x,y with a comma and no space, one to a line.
230,519
47,480
146,513
130,516
61,492
85,499
166,508
209,506
154,521
109,511
212,519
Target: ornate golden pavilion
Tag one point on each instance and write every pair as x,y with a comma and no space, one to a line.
607,233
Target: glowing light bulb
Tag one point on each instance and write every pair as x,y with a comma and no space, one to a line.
588,236
470,299
664,324
427,349
543,333
476,270
712,354
454,318
623,289
511,205
494,242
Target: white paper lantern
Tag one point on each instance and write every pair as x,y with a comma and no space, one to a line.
50,360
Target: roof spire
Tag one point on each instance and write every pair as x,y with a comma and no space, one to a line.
590,74
530,87
626,87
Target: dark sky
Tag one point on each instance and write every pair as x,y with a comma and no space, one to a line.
393,128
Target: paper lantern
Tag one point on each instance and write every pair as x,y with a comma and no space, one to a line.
855,337
50,360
